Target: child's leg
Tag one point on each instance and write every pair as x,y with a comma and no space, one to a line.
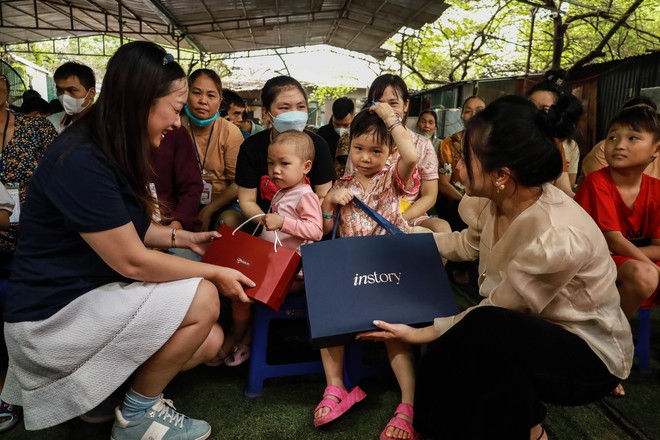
332,359
636,281
241,313
400,356
401,359
243,347
336,399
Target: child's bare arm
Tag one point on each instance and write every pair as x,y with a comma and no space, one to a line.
334,198
653,250
619,245
407,152
402,139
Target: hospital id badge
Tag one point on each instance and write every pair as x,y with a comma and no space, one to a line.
207,190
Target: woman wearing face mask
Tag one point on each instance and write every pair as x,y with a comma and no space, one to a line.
285,107
217,142
426,126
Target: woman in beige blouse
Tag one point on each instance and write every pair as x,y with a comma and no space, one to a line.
216,142
550,327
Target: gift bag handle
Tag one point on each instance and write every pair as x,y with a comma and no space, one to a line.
277,238
379,219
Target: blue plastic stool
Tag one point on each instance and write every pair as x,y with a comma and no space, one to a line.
642,348
355,369
295,307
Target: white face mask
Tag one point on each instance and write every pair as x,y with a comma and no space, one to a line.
341,131
72,106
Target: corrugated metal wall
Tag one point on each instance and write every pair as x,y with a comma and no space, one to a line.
623,82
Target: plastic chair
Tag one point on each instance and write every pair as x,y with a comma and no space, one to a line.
642,347
355,367
295,307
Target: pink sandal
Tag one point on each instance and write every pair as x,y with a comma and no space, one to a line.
405,409
346,401
240,354
218,360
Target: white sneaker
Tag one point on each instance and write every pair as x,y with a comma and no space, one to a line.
161,422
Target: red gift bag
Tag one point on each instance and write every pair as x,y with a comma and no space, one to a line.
272,268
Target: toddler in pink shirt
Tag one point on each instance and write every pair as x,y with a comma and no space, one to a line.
294,218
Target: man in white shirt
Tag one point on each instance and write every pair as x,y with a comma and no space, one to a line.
76,89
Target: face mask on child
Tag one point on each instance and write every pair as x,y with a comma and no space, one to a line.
290,121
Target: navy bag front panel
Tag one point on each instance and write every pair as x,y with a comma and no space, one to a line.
349,282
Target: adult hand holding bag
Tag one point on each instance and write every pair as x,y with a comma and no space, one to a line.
273,268
350,282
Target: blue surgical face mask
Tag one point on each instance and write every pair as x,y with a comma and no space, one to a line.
286,121
427,135
200,122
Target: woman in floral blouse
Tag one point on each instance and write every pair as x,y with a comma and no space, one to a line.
450,187
24,140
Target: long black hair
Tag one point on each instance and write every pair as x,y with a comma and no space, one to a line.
138,74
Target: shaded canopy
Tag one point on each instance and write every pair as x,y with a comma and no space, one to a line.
220,26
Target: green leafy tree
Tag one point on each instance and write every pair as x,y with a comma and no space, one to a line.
493,38
320,94
95,51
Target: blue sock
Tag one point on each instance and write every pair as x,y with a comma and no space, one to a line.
135,404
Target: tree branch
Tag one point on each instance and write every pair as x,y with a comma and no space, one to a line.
598,50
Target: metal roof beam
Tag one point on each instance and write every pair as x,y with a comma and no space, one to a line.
169,20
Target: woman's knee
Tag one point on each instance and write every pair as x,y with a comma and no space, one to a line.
206,303
211,345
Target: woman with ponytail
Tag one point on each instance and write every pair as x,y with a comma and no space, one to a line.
550,327
92,304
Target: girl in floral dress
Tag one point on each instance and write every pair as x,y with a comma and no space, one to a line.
376,134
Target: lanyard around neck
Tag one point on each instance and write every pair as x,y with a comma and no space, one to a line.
4,132
4,140
208,143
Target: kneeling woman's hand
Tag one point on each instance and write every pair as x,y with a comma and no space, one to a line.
399,332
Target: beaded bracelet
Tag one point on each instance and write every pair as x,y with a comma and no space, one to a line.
391,127
331,215
399,121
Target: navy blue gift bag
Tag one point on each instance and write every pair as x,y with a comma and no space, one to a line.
350,282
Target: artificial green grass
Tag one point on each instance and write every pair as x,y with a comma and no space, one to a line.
284,411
